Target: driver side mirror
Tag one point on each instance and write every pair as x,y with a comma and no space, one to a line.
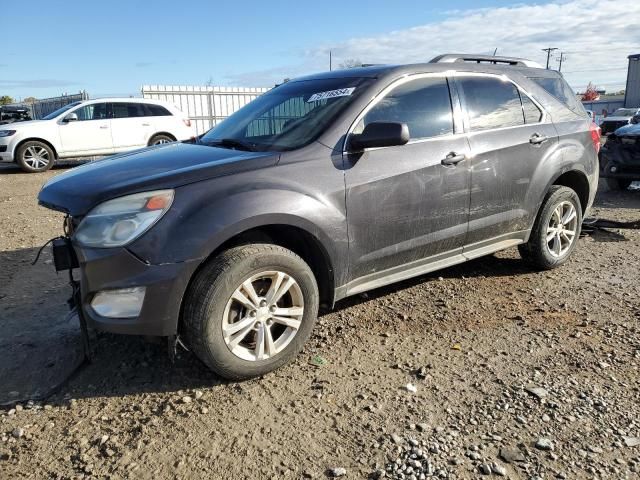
636,119
72,117
380,134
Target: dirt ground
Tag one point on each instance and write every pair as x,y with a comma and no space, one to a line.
517,373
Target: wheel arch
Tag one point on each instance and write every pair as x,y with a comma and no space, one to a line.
35,139
292,237
578,182
168,134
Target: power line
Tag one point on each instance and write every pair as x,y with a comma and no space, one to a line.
549,50
598,70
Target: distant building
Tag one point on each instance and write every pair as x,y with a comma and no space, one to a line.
632,92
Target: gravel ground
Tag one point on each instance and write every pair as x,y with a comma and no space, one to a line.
483,370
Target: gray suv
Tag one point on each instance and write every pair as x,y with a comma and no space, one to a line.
325,187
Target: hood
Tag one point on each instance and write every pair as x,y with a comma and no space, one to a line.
166,166
21,124
628,130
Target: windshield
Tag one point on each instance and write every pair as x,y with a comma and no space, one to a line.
287,117
624,112
57,112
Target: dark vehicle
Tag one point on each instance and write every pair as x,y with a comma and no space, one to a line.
619,118
325,187
14,114
620,156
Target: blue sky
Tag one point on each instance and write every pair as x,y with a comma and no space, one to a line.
115,47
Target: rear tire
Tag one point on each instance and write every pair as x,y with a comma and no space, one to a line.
556,230
35,157
617,183
161,139
232,319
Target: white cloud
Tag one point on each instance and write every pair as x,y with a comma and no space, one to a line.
596,36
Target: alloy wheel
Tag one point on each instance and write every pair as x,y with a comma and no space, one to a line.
562,228
36,156
263,316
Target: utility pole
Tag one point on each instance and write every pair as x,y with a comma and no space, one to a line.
329,60
549,50
562,57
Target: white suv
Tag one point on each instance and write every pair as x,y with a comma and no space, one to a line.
90,128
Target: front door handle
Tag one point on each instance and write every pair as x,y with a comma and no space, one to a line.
453,159
104,126
537,139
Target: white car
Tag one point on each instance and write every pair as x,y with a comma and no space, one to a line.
92,128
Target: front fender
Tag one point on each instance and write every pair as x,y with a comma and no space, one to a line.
200,221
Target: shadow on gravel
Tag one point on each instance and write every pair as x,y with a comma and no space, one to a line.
626,199
40,346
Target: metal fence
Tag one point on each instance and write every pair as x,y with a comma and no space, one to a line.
44,106
205,106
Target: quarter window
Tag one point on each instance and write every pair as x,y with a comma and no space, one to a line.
95,111
423,104
491,103
532,114
152,110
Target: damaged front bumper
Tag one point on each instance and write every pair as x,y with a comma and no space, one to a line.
620,157
120,293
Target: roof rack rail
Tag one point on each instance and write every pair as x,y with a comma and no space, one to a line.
469,58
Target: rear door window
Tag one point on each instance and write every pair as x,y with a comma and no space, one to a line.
423,104
127,110
491,103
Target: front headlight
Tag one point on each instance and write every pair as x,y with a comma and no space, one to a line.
117,222
6,133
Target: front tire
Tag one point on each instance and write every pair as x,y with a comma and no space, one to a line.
617,183
250,310
161,139
35,157
556,230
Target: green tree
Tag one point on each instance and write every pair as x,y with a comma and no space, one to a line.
5,100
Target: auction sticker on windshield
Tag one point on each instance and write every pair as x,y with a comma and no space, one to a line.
341,92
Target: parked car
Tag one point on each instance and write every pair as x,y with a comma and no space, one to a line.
10,114
325,187
92,128
620,156
617,119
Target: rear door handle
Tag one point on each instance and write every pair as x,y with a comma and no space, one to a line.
104,126
537,139
453,159
146,124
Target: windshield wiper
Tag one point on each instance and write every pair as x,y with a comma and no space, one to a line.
232,143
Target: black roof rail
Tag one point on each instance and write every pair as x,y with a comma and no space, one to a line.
470,58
